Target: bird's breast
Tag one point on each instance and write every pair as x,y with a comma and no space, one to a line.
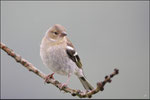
56,59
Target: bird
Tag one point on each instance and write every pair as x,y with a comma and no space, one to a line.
59,55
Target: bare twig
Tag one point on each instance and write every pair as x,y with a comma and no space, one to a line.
73,92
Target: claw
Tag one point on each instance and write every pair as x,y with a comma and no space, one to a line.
64,85
50,76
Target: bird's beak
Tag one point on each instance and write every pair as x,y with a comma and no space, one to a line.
63,34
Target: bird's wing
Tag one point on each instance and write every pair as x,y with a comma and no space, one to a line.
72,54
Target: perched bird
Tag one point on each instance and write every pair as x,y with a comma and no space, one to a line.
58,54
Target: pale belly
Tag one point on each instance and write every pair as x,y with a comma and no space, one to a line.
57,60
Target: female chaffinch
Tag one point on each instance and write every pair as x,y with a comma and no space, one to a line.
58,54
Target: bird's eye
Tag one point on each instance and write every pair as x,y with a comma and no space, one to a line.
55,33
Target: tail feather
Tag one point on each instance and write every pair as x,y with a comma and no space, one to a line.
85,83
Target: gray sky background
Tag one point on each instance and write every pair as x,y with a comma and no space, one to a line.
107,35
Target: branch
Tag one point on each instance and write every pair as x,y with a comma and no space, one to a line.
73,92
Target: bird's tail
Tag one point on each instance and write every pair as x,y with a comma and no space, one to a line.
85,83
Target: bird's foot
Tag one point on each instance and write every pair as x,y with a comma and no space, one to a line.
63,85
50,76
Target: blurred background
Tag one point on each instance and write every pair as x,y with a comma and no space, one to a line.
106,34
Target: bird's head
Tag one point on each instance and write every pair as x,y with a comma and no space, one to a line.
56,32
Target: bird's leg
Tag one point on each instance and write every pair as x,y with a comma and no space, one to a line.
50,76
65,84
